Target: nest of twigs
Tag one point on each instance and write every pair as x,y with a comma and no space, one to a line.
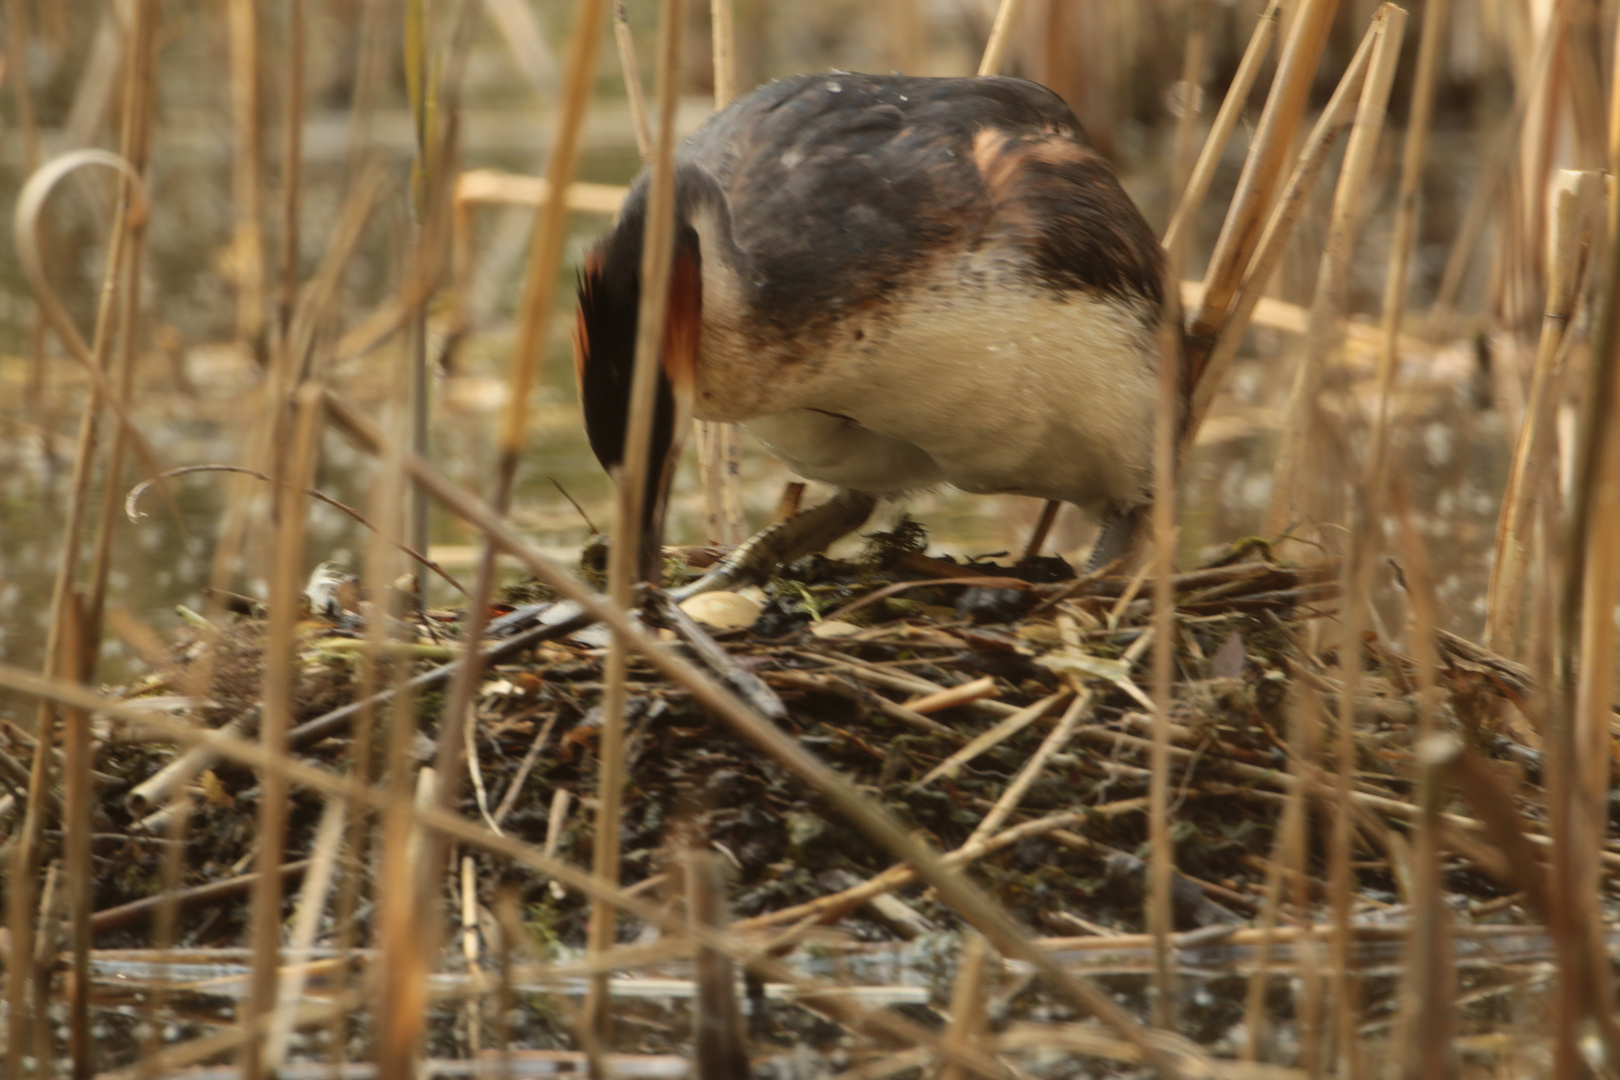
1002,712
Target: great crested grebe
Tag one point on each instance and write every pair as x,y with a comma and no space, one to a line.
892,282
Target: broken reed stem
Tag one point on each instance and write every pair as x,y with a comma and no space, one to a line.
247,244
995,50
1280,118
625,555
1206,381
1226,119
975,907
311,907
1324,330
631,69
1536,450
280,678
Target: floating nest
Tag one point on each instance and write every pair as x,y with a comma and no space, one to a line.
1001,712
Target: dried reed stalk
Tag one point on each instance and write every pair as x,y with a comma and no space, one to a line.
719,444
311,907
1191,86
139,97
1287,838
1414,155
1580,720
78,797
719,1043
1536,451
1430,984
1211,372
907,36
1333,274
1167,423
533,327
995,50
1226,118
83,633
968,1019
1278,121
381,569
368,75
625,556
534,320
94,359
280,680
292,164
723,22
631,69
247,246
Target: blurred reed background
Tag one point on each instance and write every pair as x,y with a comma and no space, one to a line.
317,253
